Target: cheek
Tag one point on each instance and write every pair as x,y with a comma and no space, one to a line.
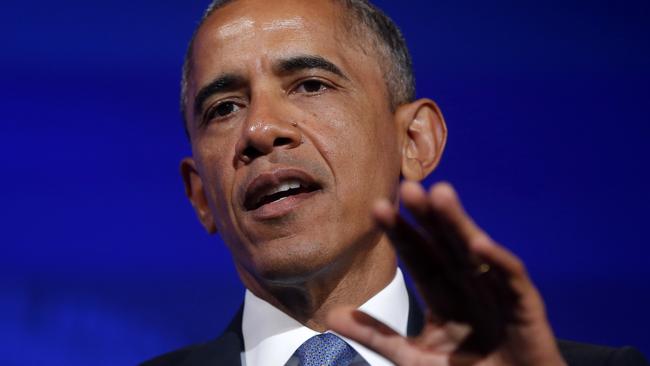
364,137
360,145
217,178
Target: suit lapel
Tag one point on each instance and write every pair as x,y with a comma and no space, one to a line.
416,317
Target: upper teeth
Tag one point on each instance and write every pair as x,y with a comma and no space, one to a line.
285,186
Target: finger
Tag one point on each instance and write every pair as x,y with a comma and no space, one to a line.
423,259
377,336
414,244
414,198
483,299
512,268
368,331
446,203
498,255
443,238
441,265
448,237
445,200
444,338
448,227
530,306
410,244
384,214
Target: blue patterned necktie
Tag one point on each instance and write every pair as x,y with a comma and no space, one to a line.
325,350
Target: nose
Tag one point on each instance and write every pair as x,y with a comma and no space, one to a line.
266,130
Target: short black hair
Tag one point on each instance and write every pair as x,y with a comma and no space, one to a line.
386,37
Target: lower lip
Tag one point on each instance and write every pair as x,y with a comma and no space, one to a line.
281,207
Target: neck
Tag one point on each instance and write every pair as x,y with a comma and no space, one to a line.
351,281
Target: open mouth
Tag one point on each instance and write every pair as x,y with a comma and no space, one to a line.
275,187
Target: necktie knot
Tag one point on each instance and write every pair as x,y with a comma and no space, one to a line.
325,349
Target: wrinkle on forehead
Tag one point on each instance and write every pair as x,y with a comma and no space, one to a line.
247,26
279,24
236,28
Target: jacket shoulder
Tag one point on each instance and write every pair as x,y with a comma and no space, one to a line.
225,350
173,358
581,354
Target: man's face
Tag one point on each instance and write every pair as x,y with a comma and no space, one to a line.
292,135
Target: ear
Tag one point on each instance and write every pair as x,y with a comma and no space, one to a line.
424,135
194,191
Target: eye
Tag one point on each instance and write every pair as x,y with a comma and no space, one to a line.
221,110
312,87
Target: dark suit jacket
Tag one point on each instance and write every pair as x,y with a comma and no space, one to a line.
227,349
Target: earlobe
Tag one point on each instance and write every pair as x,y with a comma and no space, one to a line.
195,193
424,137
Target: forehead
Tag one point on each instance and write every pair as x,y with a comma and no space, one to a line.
247,30
271,13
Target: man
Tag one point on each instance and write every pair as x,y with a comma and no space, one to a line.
302,120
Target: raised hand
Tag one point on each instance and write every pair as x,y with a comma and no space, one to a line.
482,307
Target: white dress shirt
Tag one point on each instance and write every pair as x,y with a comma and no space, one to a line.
271,336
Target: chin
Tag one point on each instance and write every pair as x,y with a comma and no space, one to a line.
294,266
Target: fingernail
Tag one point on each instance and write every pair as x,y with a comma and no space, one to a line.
384,212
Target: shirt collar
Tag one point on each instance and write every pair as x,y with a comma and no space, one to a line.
271,336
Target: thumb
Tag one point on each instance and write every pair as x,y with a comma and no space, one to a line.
370,332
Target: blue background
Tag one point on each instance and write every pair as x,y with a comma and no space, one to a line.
104,263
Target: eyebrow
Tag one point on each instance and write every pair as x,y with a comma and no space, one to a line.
228,82
305,62
221,84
